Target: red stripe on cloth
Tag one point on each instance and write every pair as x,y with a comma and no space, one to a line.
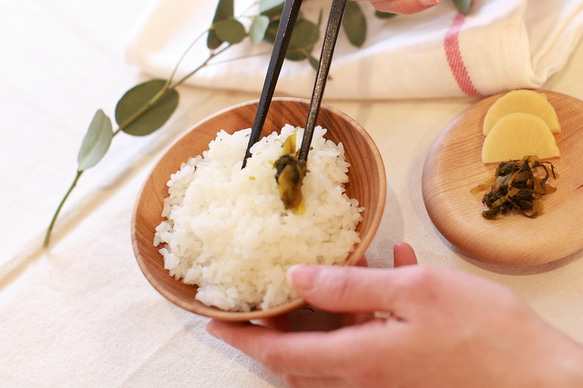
451,45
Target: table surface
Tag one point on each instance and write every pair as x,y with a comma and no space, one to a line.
81,312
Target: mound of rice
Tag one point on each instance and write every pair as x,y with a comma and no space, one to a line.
226,229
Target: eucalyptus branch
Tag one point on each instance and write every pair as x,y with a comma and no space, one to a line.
146,107
100,134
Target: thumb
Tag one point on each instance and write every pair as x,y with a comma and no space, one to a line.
350,289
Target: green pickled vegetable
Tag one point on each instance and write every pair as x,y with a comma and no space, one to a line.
517,187
289,175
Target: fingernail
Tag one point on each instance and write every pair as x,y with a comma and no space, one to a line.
429,2
302,276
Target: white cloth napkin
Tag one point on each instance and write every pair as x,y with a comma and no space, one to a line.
500,45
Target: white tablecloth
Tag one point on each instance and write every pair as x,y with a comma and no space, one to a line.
81,313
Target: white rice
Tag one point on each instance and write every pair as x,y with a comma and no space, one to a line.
227,231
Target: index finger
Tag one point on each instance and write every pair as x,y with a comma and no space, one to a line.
315,354
403,7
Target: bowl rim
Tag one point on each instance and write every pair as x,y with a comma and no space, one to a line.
353,258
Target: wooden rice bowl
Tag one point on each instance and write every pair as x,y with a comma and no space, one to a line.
367,184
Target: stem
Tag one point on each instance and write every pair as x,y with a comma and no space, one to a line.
184,55
54,219
266,53
205,63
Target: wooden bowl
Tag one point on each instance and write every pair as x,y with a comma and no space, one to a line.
367,184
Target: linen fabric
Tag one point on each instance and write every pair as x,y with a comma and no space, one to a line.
501,45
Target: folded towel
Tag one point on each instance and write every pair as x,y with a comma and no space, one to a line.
501,45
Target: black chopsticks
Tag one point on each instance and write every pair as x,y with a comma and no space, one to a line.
289,15
291,9
332,29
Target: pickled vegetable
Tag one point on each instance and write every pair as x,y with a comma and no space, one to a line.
518,187
289,175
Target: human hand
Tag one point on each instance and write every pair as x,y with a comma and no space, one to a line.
310,318
444,329
402,6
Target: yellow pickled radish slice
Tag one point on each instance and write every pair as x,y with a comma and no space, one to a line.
524,101
517,135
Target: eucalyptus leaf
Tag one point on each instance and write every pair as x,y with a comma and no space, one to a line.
225,10
268,5
274,13
271,31
384,15
463,6
258,28
354,24
230,30
303,39
148,106
96,141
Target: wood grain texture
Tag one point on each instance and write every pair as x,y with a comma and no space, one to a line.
453,167
367,184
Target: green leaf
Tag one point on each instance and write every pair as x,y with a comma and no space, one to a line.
271,31
225,10
384,15
230,30
258,29
96,141
303,39
463,6
267,6
274,13
146,107
354,24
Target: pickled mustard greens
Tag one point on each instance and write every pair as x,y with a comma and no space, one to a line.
517,187
290,173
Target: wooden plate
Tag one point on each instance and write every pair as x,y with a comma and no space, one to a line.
453,167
